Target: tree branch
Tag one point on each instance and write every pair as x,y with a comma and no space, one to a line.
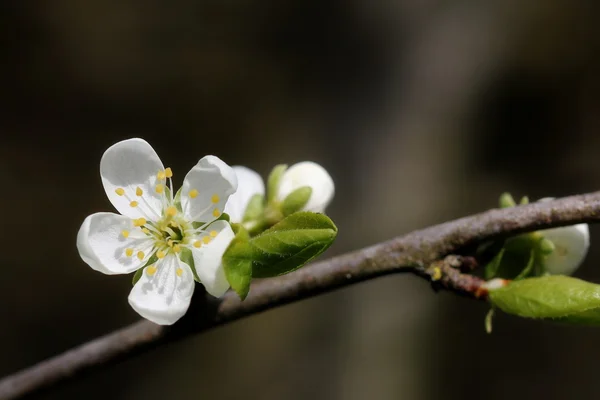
421,252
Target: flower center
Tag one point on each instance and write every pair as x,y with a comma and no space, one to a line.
168,230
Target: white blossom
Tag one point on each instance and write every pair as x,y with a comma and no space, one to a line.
156,230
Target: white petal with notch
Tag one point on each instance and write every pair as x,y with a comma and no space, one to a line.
104,240
164,291
206,189
208,258
129,165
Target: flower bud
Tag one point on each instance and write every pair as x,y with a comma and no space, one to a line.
308,174
571,244
570,248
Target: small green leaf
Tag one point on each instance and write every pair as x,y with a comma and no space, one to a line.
177,200
291,243
506,200
488,320
223,217
237,261
187,257
296,200
556,297
491,269
273,182
138,273
528,268
524,200
516,257
255,208
546,246
137,276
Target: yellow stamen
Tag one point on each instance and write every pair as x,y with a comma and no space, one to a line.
133,204
170,243
151,270
140,255
125,233
213,233
179,272
171,211
215,198
168,172
160,254
120,191
206,239
139,222
146,231
129,252
193,193
160,175
139,191
176,248
197,244
159,189
216,212
437,274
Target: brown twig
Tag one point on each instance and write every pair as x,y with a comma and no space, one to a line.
415,252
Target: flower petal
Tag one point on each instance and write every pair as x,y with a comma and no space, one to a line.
249,184
571,244
208,258
163,293
103,246
129,165
206,189
311,174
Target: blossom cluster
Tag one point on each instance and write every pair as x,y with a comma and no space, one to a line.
172,239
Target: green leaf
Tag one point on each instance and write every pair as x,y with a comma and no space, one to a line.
138,273
223,217
527,270
204,225
516,257
506,200
255,208
556,297
137,276
177,200
296,200
546,246
524,200
291,243
488,320
237,261
491,269
187,257
273,182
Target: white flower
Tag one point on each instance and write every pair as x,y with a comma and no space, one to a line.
249,184
156,232
571,244
306,173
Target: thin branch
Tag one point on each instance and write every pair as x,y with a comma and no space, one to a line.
415,252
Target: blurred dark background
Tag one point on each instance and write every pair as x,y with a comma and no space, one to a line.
422,111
